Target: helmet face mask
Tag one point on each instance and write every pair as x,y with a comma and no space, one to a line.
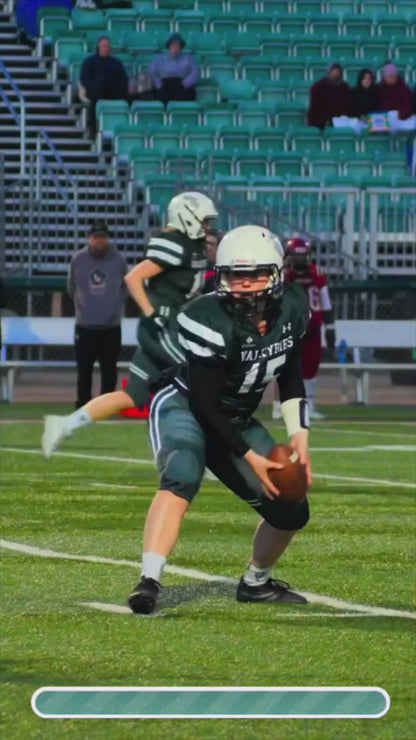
297,255
252,253
192,213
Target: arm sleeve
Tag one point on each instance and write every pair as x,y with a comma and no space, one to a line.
192,77
290,380
154,73
70,282
165,252
86,75
315,115
206,381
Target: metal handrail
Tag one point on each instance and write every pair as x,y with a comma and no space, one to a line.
20,120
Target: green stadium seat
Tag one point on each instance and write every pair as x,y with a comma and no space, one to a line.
207,91
165,138
359,165
290,113
126,139
257,70
377,142
363,24
259,23
140,41
224,23
305,46
392,166
237,137
404,50
236,89
275,44
220,66
291,23
273,92
375,6
316,67
67,47
340,181
292,71
284,163
301,7
205,43
212,7
402,181
307,138
145,163
393,25
83,19
253,113
202,137
219,114
189,21
238,43
93,34
173,4
376,181
376,46
109,121
183,113
148,112
52,11
121,19
336,139
300,93
156,20
249,164
294,181
219,161
270,137
51,26
185,161
103,106
344,46
323,165
241,7
324,24
341,7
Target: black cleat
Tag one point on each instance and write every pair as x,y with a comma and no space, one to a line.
270,591
144,597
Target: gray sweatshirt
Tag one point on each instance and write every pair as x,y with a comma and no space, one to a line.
97,288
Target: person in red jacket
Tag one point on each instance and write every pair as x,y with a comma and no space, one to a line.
328,97
299,269
393,93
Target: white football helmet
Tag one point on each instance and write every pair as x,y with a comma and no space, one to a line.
187,212
250,249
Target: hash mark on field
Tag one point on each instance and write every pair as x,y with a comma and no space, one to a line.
334,603
138,461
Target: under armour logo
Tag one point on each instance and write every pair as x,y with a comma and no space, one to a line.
286,327
249,340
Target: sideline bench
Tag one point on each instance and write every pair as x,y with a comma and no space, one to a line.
40,332
358,334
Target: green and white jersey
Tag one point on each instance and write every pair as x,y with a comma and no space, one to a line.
184,263
207,330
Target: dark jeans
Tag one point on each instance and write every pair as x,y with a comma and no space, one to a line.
172,89
109,94
96,344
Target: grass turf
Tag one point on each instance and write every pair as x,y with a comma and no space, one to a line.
359,546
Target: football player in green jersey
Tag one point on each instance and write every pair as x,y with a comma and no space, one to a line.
171,272
236,341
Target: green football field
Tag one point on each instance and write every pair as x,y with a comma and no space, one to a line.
356,560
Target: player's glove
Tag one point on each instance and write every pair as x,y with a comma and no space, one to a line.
330,342
154,324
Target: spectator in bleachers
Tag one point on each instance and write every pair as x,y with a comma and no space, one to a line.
394,94
174,73
364,95
328,97
103,77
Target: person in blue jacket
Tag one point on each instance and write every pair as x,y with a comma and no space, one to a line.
174,73
103,77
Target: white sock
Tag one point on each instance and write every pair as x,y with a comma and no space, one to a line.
256,576
80,418
276,406
310,392
152,565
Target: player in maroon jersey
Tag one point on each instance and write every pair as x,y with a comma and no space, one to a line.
300,269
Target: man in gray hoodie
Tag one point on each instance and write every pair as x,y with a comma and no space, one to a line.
96,285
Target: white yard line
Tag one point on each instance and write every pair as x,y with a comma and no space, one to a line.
138,461
357,432
193,573
104,606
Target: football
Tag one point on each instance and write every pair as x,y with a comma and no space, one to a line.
291,480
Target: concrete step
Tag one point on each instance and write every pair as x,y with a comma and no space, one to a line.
24,61
8,50
37,95
29,84
41,120
26,72
11,132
